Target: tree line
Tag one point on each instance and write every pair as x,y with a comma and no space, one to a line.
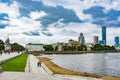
78,48
14,46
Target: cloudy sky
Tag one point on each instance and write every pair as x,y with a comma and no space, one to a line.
49,21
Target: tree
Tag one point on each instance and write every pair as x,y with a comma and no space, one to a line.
73,48
69,48
56,48
82,48
48,47
1,45
64,47
102,47
17,47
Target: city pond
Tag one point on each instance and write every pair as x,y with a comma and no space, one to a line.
100,64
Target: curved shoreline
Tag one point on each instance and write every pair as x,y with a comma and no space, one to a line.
37,53
59,70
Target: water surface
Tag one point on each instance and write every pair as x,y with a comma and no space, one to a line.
101,64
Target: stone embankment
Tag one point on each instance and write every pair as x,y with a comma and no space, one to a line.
33,72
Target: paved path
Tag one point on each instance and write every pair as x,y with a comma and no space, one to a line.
6,56
33,72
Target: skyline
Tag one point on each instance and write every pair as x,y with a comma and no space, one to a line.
48,21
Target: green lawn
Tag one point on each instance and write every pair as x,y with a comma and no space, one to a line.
16,64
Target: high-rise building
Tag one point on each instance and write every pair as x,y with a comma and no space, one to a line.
101,42
116,40
104,34
95,39
81,39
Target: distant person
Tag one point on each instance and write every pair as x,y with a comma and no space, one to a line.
1,52
39,64
8,52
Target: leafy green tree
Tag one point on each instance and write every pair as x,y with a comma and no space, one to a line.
56,48
112,48
65,48
1,46
73,48
48,47
82,48
69,48
102,47
98,47
17,47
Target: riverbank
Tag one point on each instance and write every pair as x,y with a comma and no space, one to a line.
59,70
70,52
33,72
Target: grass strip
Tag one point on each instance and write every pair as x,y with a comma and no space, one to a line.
15,64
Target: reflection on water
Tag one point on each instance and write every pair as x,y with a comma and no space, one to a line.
101,64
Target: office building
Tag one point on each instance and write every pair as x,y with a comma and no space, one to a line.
104,34
101,42
116,40
81,39
96,38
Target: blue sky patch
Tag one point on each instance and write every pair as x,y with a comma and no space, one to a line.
53,13
2,16
47,34
102,18
6,1
2,26
31,33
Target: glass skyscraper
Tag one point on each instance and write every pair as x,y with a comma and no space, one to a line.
101,42
104,34
95,39
116,40
81,39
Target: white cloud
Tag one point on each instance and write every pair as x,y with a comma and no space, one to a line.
61,32
79,5
18,25
72,30
3,22
76,6
12,10
37,15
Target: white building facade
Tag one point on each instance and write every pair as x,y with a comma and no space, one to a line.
34,47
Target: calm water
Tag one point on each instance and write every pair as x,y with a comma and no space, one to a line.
101,64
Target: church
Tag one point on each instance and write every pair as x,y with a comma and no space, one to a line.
7,45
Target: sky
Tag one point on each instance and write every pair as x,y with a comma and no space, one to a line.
51,21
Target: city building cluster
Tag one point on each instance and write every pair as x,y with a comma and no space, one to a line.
72,44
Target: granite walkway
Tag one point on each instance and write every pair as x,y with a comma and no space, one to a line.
33,72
